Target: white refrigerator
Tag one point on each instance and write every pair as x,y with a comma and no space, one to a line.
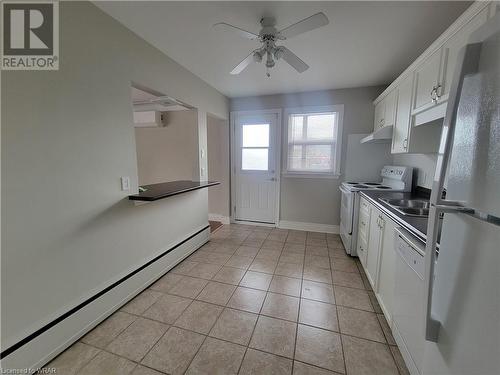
462,301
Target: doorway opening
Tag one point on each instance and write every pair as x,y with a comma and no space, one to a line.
166,137
255,170
218,169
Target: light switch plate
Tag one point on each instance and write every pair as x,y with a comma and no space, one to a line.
125,183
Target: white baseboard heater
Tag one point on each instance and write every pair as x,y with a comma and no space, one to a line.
41,346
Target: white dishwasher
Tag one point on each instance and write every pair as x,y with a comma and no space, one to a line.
408,309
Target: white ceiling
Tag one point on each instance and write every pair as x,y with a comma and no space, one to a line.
365,44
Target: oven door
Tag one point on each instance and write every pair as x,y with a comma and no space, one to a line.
346,217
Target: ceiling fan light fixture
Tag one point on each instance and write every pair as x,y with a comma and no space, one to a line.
278,53
270,61
257,57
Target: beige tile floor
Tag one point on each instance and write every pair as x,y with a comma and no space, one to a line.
253,300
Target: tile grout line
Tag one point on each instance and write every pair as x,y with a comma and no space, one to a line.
225,306
298,316
205,338
87,362
253,330
340,334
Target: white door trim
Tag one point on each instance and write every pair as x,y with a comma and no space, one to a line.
232,121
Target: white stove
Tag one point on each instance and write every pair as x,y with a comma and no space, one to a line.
394,178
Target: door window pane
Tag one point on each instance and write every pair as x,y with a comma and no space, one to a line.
320,127
254,159
255,135
319,157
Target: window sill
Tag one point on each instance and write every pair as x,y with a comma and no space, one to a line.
311,175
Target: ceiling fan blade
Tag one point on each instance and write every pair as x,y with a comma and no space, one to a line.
307,24
243,64
292,59
227,27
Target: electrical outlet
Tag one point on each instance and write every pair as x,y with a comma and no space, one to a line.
125,183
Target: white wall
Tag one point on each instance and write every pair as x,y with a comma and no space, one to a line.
424,167
171,152
317,200
67,137
218,166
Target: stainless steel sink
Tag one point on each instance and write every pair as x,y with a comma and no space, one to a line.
409,207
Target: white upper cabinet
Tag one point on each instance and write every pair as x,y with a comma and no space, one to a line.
390,108
385,111
403,116
452,47
420,95
379,115
427,83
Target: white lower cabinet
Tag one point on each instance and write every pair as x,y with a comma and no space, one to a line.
363,230
376,254
386,272
374,239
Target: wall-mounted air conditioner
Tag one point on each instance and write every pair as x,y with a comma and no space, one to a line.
149,119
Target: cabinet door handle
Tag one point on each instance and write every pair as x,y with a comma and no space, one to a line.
438,95
432,92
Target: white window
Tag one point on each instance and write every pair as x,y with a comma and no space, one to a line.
312,141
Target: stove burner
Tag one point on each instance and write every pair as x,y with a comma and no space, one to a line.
359,186
382,187
352,183
371,183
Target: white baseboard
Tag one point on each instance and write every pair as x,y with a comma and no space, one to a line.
44,347
310,227
216,217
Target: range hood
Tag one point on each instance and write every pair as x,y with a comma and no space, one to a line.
382,135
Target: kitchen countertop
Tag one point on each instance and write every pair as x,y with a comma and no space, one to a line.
415,225
167,189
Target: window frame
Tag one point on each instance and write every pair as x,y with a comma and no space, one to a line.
337,142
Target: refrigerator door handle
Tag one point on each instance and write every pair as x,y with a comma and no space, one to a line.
432,325
455,207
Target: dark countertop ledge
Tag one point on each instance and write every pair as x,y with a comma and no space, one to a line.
415,225
162,190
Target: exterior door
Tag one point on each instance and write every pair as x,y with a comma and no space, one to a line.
255,168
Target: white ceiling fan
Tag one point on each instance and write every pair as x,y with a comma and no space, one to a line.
269,35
